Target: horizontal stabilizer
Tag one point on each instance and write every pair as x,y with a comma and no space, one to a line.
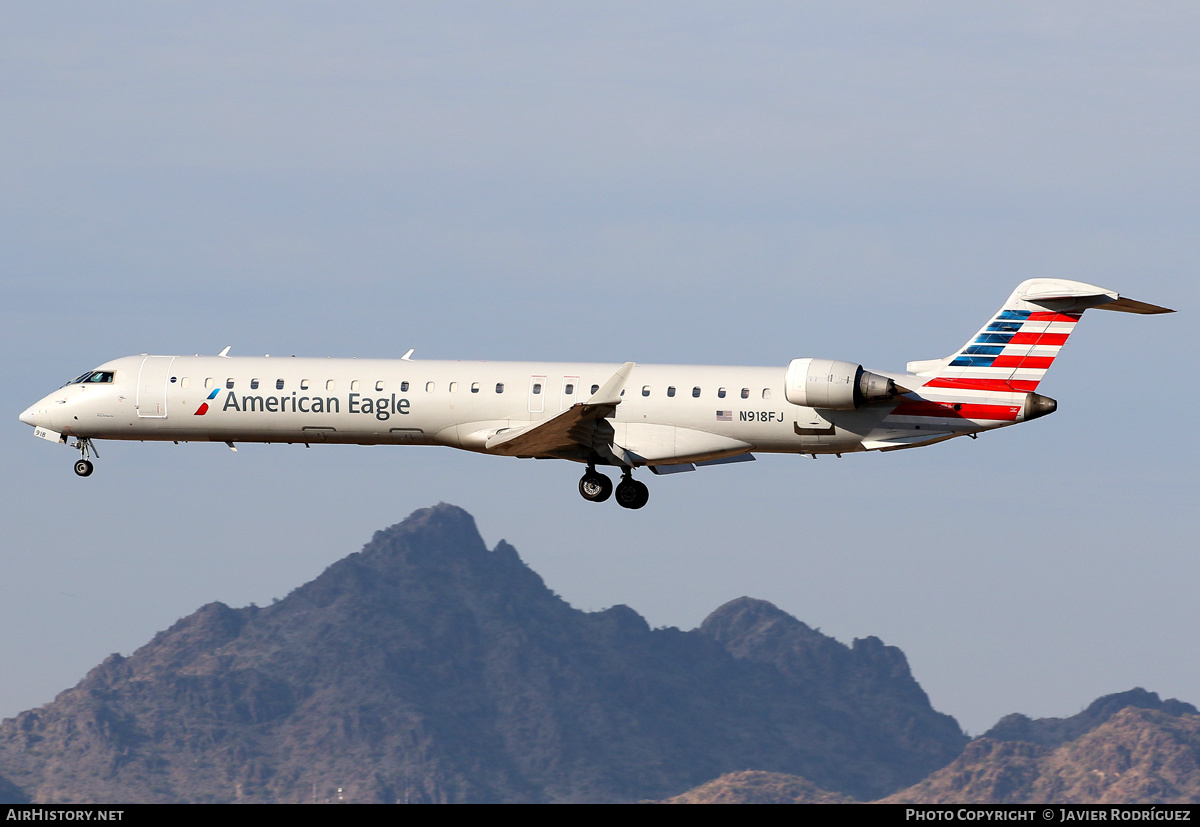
1124,305
1076,295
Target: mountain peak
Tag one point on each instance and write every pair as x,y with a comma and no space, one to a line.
425,667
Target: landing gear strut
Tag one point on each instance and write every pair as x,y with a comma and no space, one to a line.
594,486
83,466
630,492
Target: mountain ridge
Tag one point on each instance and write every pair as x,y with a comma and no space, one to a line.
426,667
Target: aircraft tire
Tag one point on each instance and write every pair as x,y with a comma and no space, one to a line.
632,494
595,487
83,468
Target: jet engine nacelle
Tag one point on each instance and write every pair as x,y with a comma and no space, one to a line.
839,386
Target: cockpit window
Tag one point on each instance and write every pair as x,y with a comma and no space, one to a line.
94,377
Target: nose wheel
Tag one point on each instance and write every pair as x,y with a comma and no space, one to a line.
83,466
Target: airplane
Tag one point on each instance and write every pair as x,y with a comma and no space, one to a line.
668,418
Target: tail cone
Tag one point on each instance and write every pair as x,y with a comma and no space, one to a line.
1037,405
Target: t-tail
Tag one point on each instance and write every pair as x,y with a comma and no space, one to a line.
1005,361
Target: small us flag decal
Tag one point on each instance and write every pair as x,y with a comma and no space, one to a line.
724,416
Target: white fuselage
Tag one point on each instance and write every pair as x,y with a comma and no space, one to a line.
668,414
668,417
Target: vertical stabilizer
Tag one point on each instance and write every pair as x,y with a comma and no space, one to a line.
1013,351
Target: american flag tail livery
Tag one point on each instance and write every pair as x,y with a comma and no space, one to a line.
992,378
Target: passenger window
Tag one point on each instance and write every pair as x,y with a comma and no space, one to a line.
595,388
428,387
278,384
229,384
645,390
670,390
184,382
379,385
209,382
303,384
569,390
720,393
253,384
766,393
453,387
330,384
354,385
695,393
474,387
403,387
499,387
537,387
745,393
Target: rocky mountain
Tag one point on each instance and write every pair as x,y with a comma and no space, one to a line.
428,668
1127,748
1053,732
1136,755
751,787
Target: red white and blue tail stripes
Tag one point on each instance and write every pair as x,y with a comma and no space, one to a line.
1011,353
989,378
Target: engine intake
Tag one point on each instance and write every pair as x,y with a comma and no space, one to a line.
834,385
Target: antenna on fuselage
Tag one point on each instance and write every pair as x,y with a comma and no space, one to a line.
225,352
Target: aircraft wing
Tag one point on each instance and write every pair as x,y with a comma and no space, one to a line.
570,430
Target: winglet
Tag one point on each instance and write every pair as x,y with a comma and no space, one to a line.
610,391
407,357
225,352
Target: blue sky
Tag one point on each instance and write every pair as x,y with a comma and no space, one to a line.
680,182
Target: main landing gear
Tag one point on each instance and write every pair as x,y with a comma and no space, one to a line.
83,466
596,487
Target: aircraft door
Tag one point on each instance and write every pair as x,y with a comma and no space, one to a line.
537,394
152,387
570,387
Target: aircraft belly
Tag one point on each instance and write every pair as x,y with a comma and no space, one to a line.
650,443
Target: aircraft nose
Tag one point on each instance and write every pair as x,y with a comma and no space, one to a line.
29,416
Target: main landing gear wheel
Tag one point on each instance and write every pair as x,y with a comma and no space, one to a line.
83,468
632,494
595,487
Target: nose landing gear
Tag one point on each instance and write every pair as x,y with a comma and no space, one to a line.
83,466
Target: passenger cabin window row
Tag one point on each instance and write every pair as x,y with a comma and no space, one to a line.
696,392
536,388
